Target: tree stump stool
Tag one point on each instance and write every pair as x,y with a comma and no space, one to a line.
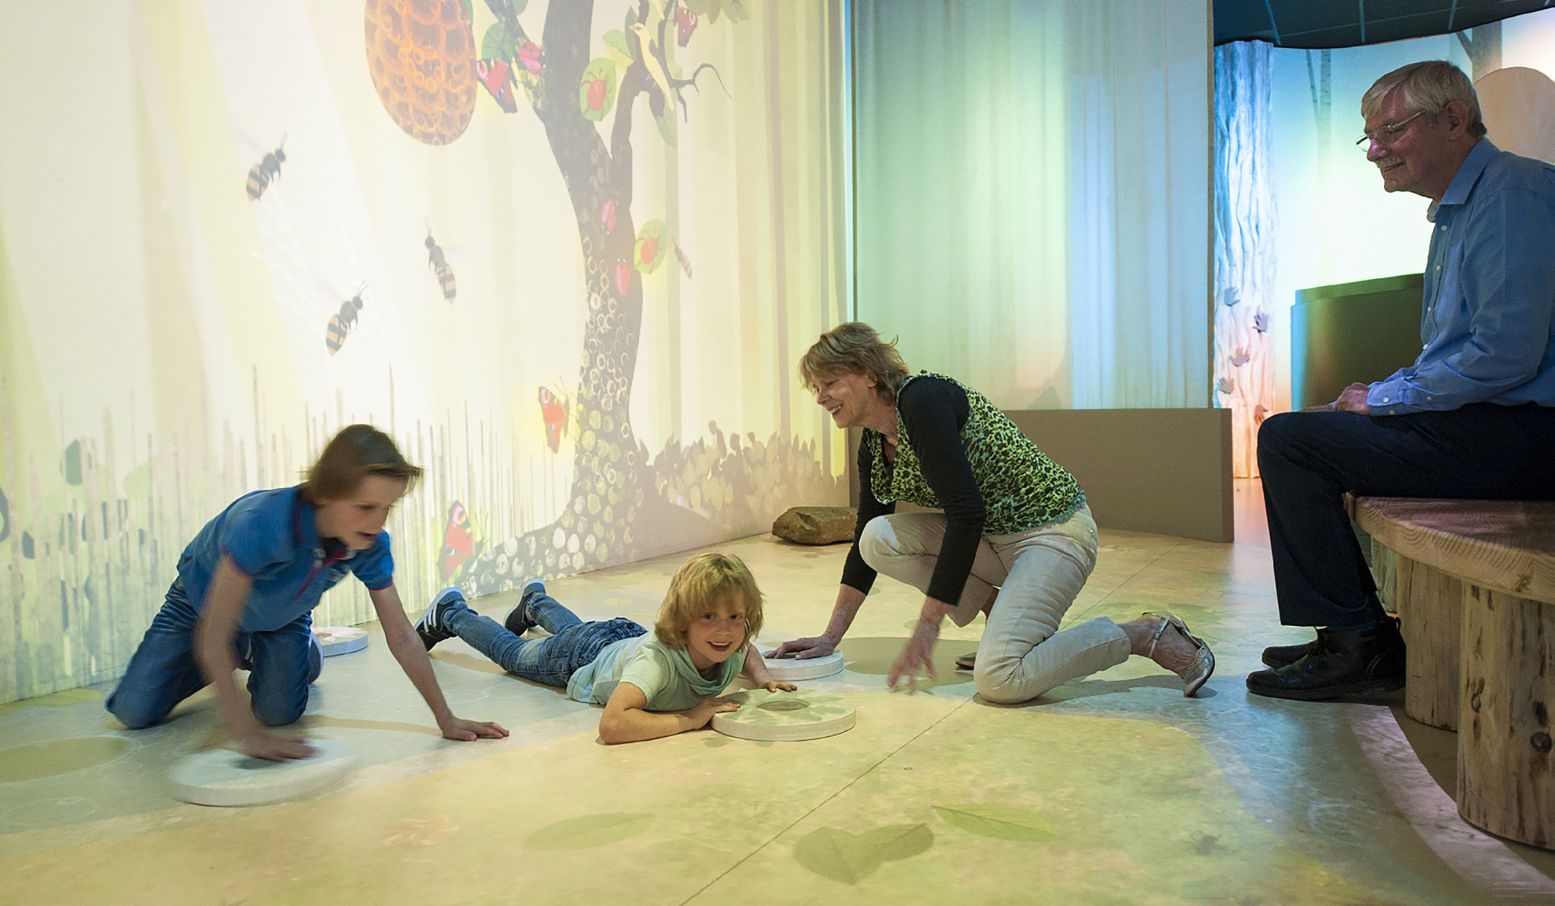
1477,581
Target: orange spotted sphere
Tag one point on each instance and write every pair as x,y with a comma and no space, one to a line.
421,55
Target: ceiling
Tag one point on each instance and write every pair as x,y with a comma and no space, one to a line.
1347,23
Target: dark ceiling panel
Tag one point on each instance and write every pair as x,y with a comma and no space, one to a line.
1340,23
1240,18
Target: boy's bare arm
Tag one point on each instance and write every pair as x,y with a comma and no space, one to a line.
755,670
219,619
626,720
412,656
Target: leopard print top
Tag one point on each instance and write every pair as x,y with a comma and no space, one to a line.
1022,488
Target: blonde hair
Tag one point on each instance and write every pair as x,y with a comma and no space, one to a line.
1427,87
697,586
357,452
855,347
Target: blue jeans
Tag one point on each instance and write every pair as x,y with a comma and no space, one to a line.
552,660
163,671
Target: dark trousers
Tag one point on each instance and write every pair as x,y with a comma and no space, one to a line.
1309,459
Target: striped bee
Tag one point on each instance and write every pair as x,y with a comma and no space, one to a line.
268,170
438,262
340,324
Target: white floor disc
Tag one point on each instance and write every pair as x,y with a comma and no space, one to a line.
335,640
786,716
793,670
228,777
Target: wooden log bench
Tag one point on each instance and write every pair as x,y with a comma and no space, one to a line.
1476,600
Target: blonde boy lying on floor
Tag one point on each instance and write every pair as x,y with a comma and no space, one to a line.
651,685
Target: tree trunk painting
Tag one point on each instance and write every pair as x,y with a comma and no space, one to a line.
623,501
1244,262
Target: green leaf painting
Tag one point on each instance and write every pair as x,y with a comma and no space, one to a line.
651,248
998,822
668,127
587,831
850,858
597,89
620,51
498,44
708,8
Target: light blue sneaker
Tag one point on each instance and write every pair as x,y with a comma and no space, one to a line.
433,625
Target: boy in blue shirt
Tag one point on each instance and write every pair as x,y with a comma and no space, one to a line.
246,588
651,686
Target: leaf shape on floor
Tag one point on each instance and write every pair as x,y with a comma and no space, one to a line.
850,858
586,831
998,822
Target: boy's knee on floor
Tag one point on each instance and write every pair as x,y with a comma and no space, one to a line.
135,718
278,715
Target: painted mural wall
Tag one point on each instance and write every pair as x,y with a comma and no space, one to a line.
565,253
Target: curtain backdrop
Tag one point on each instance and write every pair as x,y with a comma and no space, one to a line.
1033,195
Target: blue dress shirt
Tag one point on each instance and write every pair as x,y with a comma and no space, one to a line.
1488,313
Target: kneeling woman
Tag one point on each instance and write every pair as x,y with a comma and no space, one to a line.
1015,541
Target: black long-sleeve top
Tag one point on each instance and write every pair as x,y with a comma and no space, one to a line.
933,411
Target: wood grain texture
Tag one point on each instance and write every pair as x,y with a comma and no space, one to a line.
1506,773
1430,608
1506,546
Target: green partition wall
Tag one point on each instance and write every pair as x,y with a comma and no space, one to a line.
1352,332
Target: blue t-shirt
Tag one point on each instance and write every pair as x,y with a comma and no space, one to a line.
664,674
273,538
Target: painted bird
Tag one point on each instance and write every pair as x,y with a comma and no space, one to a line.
650,61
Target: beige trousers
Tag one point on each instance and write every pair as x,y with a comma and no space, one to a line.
1038,573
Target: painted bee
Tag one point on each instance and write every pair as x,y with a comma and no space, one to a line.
440,266
268,170
340,324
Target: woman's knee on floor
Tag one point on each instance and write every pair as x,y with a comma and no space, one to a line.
1001,680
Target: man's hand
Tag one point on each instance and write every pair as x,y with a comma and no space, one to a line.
1353,399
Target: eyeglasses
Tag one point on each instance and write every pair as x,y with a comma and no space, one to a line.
1388,134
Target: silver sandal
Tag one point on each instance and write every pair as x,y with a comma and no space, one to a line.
1198,671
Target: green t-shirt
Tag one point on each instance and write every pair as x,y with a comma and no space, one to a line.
664,674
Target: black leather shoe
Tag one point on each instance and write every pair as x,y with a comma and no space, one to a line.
1280,655
1350,662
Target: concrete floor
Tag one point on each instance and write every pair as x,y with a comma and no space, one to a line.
1113,789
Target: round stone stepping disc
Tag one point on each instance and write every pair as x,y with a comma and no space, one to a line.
228,777
335,640
786,716
793,670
